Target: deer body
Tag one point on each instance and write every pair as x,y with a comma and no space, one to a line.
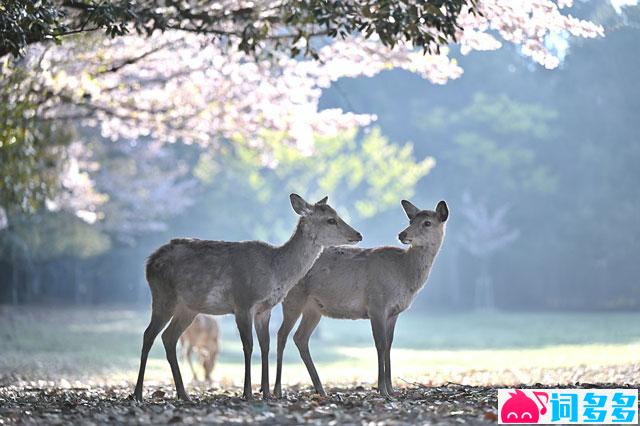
214,277
385,277
247,279
351,283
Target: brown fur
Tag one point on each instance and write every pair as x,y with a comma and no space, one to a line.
203,338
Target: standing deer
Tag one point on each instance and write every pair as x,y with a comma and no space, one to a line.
203,338
247,279
353,283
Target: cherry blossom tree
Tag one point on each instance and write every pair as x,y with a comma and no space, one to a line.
183,84
146,186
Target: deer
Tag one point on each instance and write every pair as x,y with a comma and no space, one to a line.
246,279
203,338
377,284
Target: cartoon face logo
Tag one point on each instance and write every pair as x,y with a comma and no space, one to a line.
519,408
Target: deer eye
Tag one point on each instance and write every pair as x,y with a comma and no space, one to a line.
332,221
427,223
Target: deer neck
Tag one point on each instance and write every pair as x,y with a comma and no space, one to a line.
295,257
419,261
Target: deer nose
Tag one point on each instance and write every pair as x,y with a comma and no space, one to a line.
402,236
358,237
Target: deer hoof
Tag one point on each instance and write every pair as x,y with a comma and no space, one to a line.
184,397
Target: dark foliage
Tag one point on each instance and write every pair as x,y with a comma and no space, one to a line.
427,24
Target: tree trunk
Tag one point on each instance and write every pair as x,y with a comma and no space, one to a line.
76,281
14,282
485,295
454,278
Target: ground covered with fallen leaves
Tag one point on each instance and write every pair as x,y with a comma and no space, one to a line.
450,404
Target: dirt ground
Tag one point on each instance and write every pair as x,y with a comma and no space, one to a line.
66,403
414,404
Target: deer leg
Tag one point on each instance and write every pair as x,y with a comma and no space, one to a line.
244,323
290,315
158,320
379,329
189,355
309,322
208,367
262,332
213,358
391,326
181,320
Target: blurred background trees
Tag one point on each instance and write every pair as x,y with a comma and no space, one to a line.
110,145
560,151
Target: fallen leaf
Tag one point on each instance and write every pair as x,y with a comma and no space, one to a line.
158,394
491,416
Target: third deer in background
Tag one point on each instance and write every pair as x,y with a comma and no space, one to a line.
202,337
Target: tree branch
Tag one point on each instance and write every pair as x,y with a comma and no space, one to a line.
133,60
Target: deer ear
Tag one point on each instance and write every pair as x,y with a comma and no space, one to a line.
443,211
323,201
410,209
299,205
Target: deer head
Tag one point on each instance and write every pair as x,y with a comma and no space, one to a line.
323,224
426,227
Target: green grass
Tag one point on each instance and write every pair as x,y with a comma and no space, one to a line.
70,342
492,330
